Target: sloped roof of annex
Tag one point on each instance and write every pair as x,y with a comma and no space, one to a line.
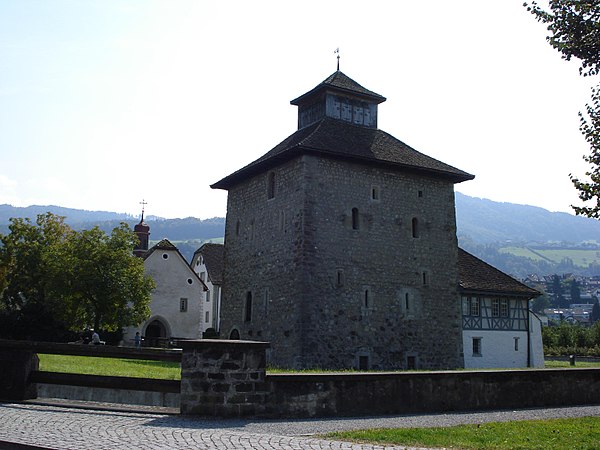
478,277
213,256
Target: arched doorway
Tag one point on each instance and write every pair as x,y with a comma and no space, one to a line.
156,334
234,335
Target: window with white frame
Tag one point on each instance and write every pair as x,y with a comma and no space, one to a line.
504,307
495,307
475,304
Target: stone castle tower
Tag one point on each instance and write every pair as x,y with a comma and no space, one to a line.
340,243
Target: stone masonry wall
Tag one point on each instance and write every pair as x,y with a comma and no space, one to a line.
223,378
355,298
263,253
328,295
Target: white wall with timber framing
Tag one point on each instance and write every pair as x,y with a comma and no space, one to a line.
500,332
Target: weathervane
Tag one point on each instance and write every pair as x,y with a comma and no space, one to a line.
143,203
337,51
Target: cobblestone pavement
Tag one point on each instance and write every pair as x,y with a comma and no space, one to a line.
60,427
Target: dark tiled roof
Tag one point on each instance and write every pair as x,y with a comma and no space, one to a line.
335,138
477,275
339,81
213,255
164,244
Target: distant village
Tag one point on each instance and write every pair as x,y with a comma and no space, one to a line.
567,298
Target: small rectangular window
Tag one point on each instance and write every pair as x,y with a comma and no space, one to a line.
266,300
425,279
206,317
504,308
339,278
183,304
248,308
271,185
375,193
363,362
495,307
475,306
516,344
476,346
355,219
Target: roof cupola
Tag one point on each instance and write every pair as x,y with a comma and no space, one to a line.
338,97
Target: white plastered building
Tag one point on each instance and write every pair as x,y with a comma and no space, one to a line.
499,330
207,262
177,304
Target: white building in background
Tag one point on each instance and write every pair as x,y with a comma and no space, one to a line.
499,330
207,262
178,302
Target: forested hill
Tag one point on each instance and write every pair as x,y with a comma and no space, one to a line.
479,220
485,221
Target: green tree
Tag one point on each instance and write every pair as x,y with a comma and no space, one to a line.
574,291
53,278
574,27
540,303
102,284
558,297
596,312
574,30
25,277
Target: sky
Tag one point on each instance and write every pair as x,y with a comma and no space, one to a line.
106,103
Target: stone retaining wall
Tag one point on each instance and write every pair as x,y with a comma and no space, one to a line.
226,378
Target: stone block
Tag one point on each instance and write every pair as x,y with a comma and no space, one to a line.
17,366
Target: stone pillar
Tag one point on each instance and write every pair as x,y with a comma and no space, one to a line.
224,378
16,367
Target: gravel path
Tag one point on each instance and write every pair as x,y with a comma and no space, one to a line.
61,427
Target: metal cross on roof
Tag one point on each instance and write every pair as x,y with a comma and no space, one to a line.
337,51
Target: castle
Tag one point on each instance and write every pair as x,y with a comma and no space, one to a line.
340,243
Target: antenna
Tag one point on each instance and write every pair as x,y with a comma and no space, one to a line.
337,51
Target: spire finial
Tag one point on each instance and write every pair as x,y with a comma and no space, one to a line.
143,203
337,51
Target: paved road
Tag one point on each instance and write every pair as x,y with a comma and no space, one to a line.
61,427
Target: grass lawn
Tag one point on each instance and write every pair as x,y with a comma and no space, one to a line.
90,365
170,370
581,433
566,365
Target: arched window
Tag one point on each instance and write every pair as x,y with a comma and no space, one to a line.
355,218
415,227
234,335
271,185
248,309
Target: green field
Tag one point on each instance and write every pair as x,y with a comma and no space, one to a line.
580,258
580,433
